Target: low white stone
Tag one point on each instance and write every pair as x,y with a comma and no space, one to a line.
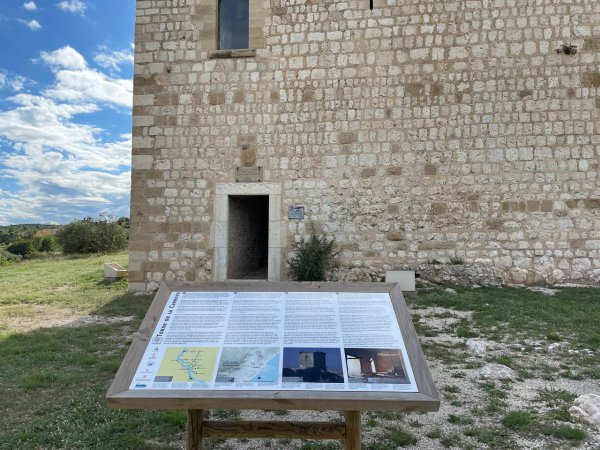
476,346
497,372
450,291
587,408
556,346
543,290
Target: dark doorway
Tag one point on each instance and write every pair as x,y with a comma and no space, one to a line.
248,237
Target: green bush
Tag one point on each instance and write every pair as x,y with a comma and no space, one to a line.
21,247
92,235
7,258
312,258
48,244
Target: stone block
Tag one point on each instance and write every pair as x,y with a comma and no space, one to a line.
142,162
547,205
368,172
404,278
430,169
590,79
216,98
439,208
414,89
396,235
348,137
393,209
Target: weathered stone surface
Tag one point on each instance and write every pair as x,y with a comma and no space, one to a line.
497,372
479,143
468,275
460,274
355,274
587,408
476,346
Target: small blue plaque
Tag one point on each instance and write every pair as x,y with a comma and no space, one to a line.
296,212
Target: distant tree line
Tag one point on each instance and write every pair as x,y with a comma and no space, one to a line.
101,234
12,233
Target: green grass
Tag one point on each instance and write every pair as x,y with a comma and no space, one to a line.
394,437
54,378
571,433
492,437
572,314
36,288
518,420
555,396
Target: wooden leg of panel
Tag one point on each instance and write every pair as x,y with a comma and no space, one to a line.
194,429
352,430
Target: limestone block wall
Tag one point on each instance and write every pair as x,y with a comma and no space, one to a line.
419,130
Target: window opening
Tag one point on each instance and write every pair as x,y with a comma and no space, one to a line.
233,24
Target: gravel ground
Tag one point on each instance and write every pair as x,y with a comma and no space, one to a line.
475,413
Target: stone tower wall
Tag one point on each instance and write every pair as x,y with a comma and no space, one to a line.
420,130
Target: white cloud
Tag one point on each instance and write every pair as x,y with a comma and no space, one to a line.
62,168
14,82
17,83
112,59
76,82
33,25
65,58
87,84
74,6
30,6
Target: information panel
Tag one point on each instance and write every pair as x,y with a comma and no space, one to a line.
328,341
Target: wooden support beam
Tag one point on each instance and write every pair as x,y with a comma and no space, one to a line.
194,429
275,429
352,430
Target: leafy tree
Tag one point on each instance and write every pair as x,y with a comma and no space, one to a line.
92,235
124,222
21,248
48,244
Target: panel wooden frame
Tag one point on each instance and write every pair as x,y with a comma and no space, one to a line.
426,399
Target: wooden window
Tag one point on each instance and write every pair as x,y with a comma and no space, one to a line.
234,23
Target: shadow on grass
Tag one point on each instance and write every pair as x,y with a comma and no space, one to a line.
54,381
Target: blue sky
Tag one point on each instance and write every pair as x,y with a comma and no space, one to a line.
65,109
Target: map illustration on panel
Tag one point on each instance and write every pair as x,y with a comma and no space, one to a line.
249,365
188,364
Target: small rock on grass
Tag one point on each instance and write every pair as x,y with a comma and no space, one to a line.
556,346
543,290
587,408
450,291
476,346
497,372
